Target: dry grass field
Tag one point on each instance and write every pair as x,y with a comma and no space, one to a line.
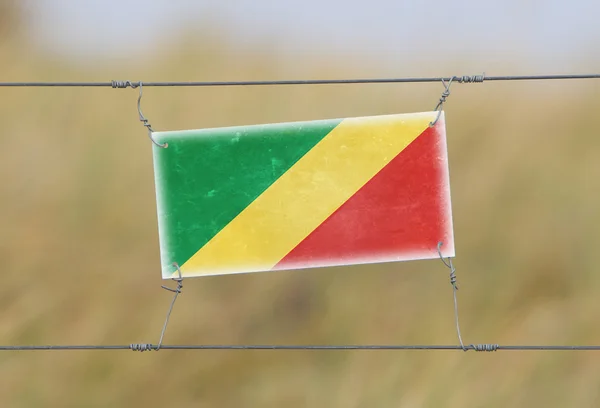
80,260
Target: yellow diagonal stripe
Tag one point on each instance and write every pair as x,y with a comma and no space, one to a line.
309,192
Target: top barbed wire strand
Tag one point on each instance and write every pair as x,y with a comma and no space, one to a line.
459,79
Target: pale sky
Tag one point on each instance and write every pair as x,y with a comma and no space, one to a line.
552,35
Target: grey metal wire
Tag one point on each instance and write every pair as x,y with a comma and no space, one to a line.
140,114
459,79
147,347
449,265
440,105
454,290
177,291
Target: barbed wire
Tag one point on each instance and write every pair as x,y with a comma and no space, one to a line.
459,79
447,81
151,347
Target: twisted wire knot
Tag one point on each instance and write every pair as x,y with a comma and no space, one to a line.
484,347
124,84
469,79
443,98
450,266
141,347
147,124
453,277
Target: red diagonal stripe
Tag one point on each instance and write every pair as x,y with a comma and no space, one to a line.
401,213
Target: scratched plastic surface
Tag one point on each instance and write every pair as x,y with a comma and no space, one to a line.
303,195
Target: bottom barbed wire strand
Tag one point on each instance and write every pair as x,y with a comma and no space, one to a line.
149,347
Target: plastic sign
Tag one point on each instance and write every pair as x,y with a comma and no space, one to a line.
303,194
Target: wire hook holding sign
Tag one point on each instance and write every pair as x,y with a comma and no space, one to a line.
177,291
465,79
476,347
454,289
440,104
148,346
133,85
145,121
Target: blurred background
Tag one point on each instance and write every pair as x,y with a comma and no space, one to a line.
78,235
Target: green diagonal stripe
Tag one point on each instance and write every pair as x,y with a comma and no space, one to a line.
205,178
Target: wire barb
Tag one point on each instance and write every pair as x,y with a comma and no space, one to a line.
466,79
124,84
484,347
142,347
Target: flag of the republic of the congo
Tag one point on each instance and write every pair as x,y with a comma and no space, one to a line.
303,194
